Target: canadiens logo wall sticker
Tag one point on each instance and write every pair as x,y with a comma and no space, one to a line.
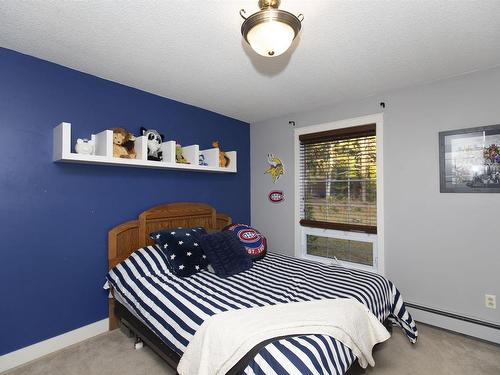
276,196
275,169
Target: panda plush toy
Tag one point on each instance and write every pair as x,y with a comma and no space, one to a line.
154,141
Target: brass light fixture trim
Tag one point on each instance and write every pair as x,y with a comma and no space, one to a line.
269,12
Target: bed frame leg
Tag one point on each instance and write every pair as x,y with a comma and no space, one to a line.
388,325
139,344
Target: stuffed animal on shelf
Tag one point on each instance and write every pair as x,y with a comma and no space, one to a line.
223,159
123,144
179,158
84,146
154,141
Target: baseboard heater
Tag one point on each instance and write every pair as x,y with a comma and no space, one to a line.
453,316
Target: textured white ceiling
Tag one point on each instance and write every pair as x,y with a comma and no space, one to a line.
192,51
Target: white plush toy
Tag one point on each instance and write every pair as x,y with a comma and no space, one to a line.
84,146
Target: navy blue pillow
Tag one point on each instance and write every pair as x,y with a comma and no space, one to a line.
182,249
225,253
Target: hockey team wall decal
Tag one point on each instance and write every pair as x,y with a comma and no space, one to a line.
276,168
276,196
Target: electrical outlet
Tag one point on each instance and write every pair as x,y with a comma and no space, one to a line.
490,301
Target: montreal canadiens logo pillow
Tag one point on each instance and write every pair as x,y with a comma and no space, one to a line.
254,242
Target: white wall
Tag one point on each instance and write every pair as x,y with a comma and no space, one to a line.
441,250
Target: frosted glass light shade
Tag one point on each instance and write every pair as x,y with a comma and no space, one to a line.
271,31
271,38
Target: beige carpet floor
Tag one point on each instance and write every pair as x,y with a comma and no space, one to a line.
437,352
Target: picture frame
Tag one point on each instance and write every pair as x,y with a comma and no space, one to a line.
469,160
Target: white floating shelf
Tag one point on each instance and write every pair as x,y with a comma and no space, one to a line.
62,152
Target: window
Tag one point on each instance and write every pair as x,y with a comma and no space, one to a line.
346,249
338,194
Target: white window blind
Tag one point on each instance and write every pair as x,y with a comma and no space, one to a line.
338,179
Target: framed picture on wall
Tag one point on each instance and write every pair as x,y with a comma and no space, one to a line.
469,160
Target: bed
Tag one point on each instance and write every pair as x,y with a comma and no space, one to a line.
165,310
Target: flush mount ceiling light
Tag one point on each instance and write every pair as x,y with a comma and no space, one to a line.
270,31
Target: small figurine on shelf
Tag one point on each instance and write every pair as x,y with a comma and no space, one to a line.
154,140
223,159
179,158
202,160
84,146
123,144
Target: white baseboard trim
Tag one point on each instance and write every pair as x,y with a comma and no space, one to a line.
29,353
463,327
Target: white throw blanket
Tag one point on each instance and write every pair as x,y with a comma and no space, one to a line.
225,338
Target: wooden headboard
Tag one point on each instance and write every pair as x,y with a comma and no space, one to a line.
126,238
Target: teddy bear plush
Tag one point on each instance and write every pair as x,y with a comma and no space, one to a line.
154,141
123,144
223,159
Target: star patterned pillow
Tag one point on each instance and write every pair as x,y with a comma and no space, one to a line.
182,248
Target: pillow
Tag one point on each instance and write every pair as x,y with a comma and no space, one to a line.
225,253
146,261
182,249
254,242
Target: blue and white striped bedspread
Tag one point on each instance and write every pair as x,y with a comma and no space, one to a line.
174,307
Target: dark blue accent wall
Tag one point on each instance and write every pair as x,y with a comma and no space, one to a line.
54,217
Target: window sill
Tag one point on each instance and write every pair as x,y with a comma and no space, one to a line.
334,262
